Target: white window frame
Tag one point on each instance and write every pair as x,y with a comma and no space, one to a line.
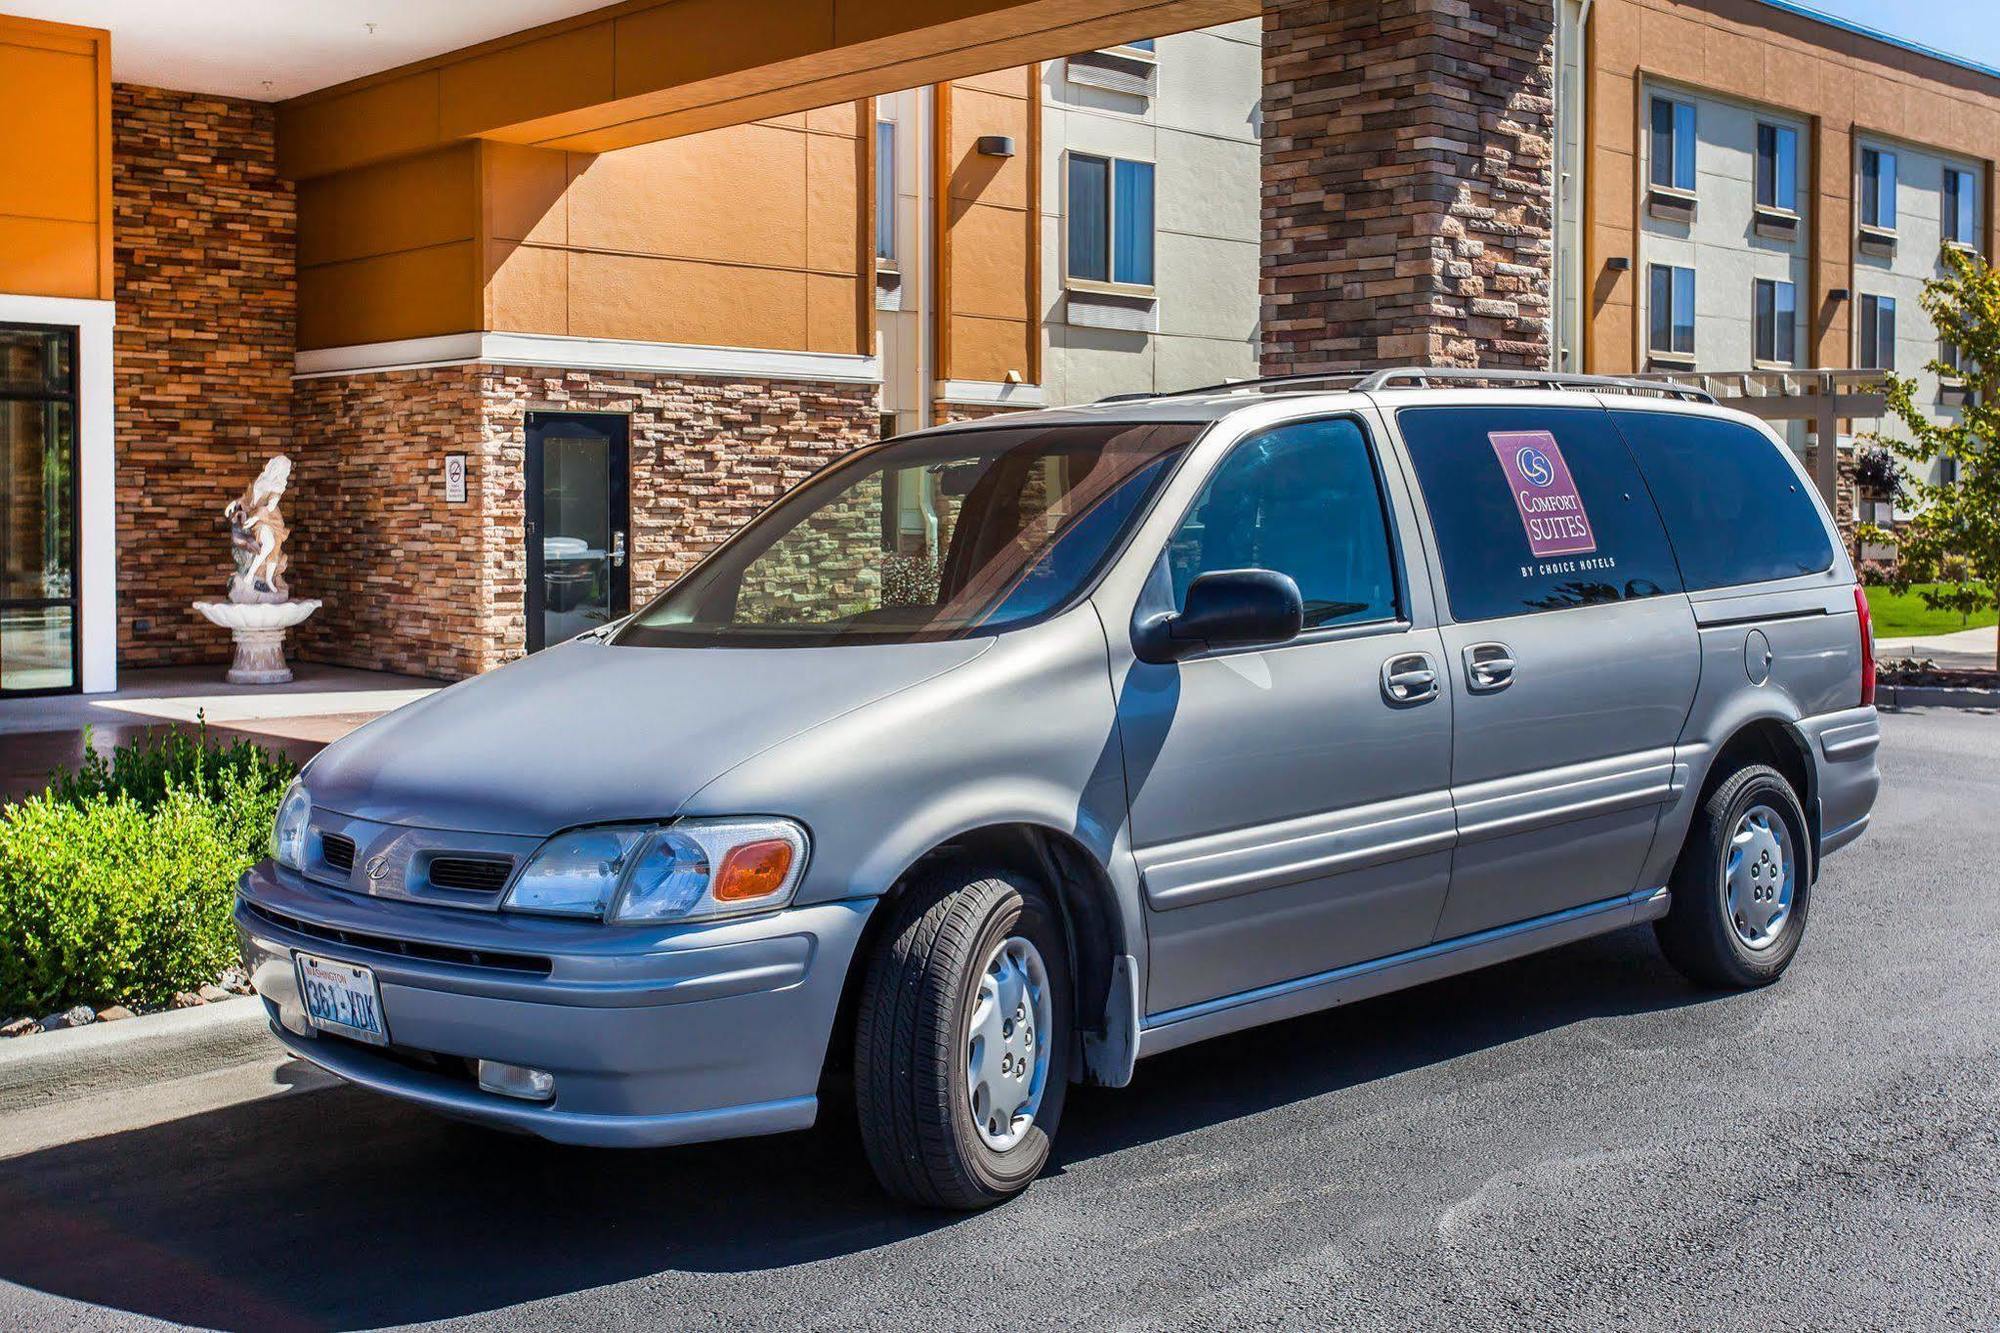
886,187
1670,354
1756,334
1103,285
1970,179
1862,199
1131,51
1865,347
1677,101
1777,204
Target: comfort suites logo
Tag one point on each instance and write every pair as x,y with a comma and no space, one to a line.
1552,512
1533,465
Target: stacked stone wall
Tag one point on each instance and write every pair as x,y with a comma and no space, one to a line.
1408,206
202,247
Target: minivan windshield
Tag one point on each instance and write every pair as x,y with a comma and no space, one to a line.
932,537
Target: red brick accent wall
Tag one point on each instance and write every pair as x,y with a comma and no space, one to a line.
414,584
203,252
1408,204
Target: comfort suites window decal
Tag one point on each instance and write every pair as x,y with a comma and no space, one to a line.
1551,509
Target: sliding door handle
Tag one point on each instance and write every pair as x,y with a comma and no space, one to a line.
1488,667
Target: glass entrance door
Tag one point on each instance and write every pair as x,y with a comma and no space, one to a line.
579,577
39,651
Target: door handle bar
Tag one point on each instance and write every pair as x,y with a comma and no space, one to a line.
1489,666
1409,678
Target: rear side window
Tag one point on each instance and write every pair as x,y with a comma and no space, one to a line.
1735,509
1536,509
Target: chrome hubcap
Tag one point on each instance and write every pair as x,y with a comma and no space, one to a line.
1006,1054
1760,872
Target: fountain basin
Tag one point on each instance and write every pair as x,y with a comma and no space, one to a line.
258,629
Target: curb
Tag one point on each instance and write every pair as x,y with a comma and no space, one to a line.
53,1067
1936,696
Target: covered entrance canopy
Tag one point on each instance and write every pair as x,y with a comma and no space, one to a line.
654,69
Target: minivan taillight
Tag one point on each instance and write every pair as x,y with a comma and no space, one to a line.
1867,624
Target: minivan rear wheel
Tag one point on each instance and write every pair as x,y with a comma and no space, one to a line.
961,1047
1742,885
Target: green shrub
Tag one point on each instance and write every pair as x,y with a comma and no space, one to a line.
146,767
116,884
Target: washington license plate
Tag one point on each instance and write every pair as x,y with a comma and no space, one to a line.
342,998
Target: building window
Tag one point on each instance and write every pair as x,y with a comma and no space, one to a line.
1776,313
885,191
1878,189
1961,210
1947,469
1778,167
1673,144
1110,218
1878,333
1951,358
1672,311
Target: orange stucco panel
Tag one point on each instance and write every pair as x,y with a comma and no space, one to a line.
749,236
55,159
380,298
992,239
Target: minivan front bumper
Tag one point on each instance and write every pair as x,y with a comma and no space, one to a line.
654,1035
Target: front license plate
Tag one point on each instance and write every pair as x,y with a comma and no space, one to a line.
342,998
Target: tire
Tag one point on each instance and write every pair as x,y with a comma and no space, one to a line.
913,1048
1749,941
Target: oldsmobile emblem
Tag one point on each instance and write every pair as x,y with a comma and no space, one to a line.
378,866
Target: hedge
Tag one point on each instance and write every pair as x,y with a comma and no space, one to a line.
116,884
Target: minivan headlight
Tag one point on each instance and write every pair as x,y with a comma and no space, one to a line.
288,831
696,869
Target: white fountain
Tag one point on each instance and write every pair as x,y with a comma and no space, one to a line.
260,607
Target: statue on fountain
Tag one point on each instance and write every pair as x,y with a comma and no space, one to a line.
257,535
260,607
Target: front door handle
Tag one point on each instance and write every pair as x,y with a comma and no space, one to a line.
1488,667
1409,678
617,549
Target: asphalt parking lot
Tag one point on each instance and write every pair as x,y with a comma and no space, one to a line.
1579,1140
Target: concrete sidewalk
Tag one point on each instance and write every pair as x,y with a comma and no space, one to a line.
322,704
1966,650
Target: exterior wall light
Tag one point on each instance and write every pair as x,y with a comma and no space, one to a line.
996,145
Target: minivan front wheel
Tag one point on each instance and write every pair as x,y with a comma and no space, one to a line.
1741,887
962,1040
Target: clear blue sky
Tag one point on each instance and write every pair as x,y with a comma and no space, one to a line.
1969,29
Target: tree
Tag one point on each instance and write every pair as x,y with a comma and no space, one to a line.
1953,537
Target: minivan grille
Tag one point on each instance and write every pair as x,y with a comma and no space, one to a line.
337,851
384,944
470,874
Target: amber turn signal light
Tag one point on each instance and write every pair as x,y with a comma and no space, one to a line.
753,870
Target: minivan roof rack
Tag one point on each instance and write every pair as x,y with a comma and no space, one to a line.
1425,377
1428,377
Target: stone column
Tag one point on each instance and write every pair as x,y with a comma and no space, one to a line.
1408,201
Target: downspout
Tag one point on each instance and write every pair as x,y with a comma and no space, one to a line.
1570,191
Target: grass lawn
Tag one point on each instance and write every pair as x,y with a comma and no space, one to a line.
1906,616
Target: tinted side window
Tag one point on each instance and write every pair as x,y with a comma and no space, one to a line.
1536,509
1736,511
1304,500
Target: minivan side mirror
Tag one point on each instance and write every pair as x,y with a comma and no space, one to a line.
1226,608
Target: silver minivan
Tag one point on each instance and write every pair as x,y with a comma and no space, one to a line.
999,756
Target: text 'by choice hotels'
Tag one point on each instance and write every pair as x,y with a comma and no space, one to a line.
1544,492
